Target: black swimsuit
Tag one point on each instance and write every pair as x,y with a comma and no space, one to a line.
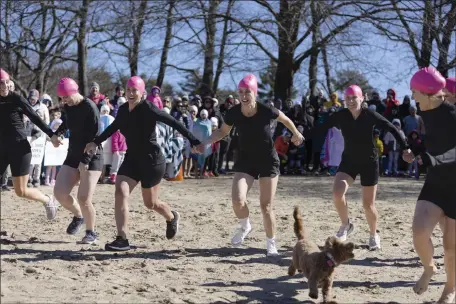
440,158
144,161
14,146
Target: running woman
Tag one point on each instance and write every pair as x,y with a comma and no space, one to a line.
144,161
450,90
257,158
14,147
81,119
360,157
438,195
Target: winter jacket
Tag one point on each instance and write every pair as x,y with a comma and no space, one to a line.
118,142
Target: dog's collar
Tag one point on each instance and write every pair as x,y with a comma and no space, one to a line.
330,260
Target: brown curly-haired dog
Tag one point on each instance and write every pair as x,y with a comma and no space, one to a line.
316,265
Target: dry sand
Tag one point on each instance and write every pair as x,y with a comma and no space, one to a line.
40,263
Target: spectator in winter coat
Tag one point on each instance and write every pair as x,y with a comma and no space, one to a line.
37,105
333,102
154,97
393,149
281,144
413,122
95,94
417,147
392,105
404,108
379,104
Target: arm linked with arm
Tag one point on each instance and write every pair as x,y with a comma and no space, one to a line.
383,123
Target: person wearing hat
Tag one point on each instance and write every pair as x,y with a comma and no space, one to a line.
155,98
95,94
120,92
15,150
436,201
393,149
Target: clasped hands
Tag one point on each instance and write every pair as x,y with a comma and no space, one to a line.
409,157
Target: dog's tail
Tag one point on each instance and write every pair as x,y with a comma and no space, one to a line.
298,224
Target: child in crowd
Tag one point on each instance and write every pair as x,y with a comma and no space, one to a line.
105,120
296,156
34,132
379,146
213,159
203,130
393,149
118,149
190,159
417,147
154,97
333,148
282,144
51,171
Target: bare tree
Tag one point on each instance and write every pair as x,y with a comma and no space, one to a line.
166,42
42,37
418,24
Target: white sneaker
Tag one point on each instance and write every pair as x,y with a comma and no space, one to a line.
374,242
271,248
345,231
240,235
51,208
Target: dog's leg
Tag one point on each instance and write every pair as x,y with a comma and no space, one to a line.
313,286
292,269
327,288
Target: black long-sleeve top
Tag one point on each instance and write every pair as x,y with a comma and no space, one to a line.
138,127
440,143
82,120
358,133
12,128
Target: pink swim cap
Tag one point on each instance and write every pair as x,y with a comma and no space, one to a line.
249,82
137,83
451,85
428,81
4,75
354,90
67,87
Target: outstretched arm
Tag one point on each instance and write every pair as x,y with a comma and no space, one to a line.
173,123
30,113
218,134
383,123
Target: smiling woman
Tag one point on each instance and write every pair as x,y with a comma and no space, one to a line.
257,158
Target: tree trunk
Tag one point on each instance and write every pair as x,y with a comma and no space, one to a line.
444,48
209,52
427,37
82,47
138,27
288,18
313,62
221,58
166,43
6,52
327,70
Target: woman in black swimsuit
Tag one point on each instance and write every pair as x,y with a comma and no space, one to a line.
257,157
438,195
144,161
15,149
359,158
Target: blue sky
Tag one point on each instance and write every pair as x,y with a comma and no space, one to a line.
394,60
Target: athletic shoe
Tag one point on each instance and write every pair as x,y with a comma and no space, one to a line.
345,231
51,208
75,226
374,242
172,227
119,244
5,188
271,248
90,237
240,235
36,184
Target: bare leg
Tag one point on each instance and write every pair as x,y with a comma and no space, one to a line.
268,187
341,184
68,178
20,187
241,186
124,187
370,210
449,246
151,201
86,189
426,217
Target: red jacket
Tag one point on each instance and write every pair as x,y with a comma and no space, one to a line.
118,142
391,104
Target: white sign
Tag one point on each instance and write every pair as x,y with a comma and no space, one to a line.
37,147
107,151
55,156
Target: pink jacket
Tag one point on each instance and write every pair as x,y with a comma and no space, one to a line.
118,142
156,101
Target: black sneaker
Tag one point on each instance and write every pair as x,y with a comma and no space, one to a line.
36,184
90,237
119,244
75,225
5,188
172,227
